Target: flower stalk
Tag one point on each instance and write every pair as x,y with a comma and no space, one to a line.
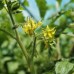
17,35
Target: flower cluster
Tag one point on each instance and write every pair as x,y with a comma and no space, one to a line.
49,33
30,25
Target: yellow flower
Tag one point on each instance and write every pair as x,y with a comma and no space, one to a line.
30,25
49,33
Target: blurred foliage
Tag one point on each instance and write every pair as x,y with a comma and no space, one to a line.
59,1
57,58
42,7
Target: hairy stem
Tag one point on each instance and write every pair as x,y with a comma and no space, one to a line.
58,48
32,56
16,33
34,46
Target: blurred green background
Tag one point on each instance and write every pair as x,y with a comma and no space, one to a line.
57,13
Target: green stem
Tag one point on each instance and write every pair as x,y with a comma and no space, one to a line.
58,48
16,33
34,46
56,16
33,52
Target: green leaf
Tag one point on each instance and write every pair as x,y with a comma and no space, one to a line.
63,67
59,1
26,3
19,17
42,7
1,5
71,0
